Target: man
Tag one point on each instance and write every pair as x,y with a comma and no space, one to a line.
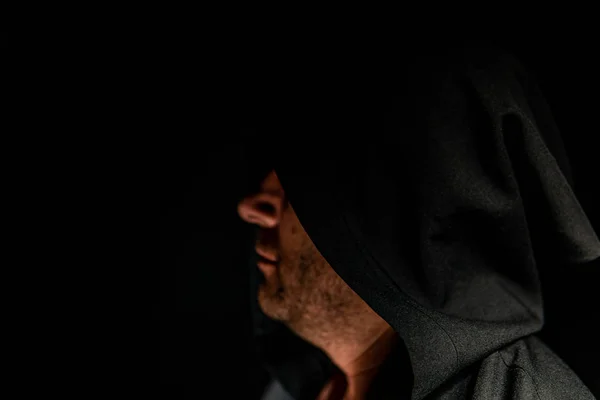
304,292
405,264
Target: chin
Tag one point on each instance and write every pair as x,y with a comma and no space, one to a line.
272,304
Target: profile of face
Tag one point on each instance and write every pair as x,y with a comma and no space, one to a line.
300,289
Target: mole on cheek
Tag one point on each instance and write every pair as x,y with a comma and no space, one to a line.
294,230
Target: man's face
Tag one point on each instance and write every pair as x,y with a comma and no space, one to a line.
300,289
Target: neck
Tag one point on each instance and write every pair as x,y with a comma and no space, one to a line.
359,362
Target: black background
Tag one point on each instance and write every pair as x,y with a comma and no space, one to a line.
210,155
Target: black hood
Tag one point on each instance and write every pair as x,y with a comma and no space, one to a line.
438,196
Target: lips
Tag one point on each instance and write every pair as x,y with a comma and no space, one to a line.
267,261
266,255
267,267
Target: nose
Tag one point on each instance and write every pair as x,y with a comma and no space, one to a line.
262,209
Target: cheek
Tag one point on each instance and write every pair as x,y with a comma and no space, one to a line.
290,235
288,243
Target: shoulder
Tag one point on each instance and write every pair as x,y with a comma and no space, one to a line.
532,369
526,369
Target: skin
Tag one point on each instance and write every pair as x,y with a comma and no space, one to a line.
303,291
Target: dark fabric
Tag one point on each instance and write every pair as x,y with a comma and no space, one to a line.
438,195
275,391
